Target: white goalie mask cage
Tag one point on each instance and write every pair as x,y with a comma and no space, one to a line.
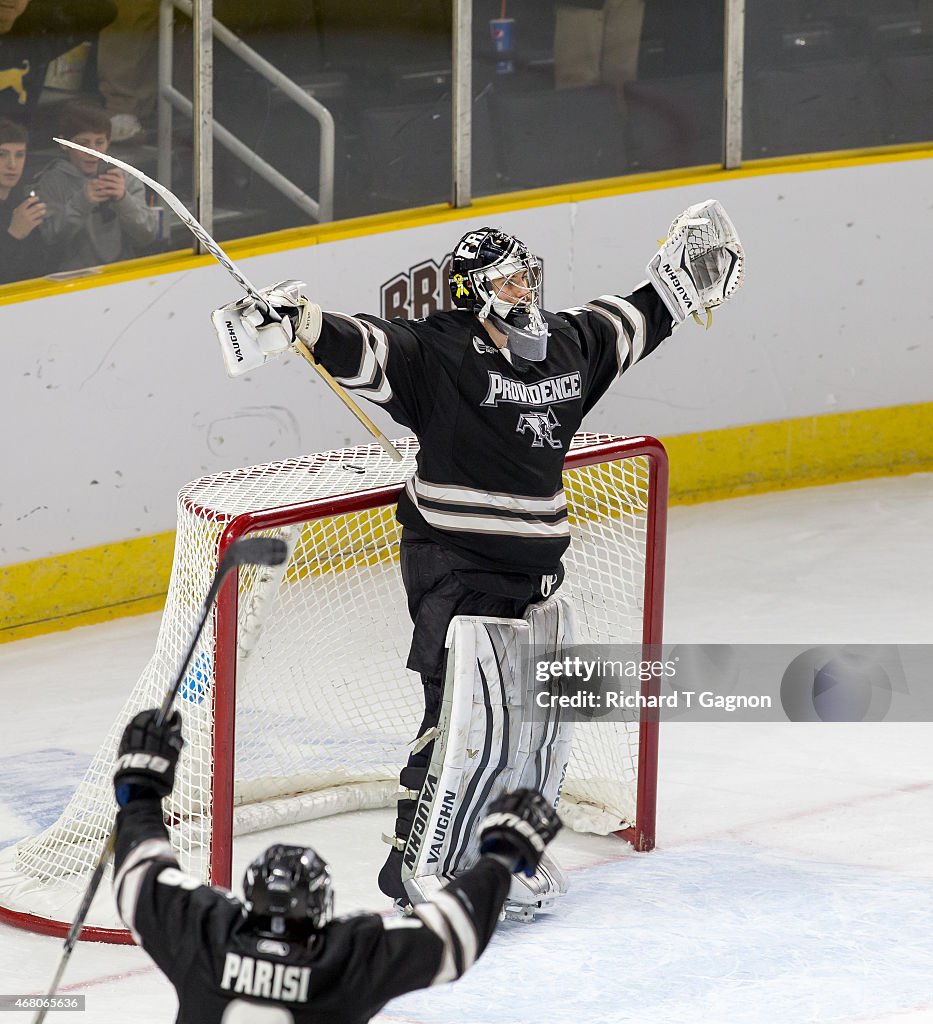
483,262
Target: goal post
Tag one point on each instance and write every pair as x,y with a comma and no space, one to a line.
298,704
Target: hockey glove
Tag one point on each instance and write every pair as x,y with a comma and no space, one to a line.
147,757
700,264
519,826
249,334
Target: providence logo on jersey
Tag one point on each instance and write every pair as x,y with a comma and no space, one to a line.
541,426
563,388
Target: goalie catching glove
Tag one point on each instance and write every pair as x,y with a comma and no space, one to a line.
147,756
700,264
519,827
251,332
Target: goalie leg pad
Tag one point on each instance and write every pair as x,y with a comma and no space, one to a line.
488,743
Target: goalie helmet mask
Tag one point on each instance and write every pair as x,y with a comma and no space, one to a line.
483,264
287,893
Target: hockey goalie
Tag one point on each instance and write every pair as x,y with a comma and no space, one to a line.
494,389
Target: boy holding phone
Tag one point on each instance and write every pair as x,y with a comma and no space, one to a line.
96,213
22,254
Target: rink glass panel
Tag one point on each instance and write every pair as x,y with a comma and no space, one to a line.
836,75
560,93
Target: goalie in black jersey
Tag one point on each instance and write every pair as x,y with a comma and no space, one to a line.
494,390
277,955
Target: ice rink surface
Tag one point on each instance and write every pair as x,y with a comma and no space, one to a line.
793,878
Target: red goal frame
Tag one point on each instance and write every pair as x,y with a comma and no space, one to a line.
641,835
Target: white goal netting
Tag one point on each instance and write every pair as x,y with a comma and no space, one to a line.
324,708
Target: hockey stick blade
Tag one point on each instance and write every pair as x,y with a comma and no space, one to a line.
187,218
258,551
245,551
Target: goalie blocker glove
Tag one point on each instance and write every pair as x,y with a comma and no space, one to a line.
700,264
147,756
519,827
250,332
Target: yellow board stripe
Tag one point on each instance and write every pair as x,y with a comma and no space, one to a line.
806,452
83,587
131,577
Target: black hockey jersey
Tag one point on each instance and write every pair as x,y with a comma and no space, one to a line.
224,972
493,432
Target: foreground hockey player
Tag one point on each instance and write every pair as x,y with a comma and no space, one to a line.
278,956
494,391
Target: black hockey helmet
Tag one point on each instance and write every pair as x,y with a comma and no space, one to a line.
287,892
483,261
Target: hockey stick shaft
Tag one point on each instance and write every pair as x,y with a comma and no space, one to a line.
247,551
386,444
199,232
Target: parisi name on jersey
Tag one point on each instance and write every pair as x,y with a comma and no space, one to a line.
493,430
252,976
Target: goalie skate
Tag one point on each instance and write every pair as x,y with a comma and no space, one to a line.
529,897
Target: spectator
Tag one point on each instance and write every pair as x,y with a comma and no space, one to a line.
32,33
96,213
22,254
127,67
596,42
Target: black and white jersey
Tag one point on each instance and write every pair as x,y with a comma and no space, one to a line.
225,973
493,432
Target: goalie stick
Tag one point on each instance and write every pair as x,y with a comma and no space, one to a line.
197,229
264,551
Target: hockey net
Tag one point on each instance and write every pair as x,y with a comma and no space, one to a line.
304,666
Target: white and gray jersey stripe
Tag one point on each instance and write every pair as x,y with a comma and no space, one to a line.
472,510
628,323
129,878
446,917
370,380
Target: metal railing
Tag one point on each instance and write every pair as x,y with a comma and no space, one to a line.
170,99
